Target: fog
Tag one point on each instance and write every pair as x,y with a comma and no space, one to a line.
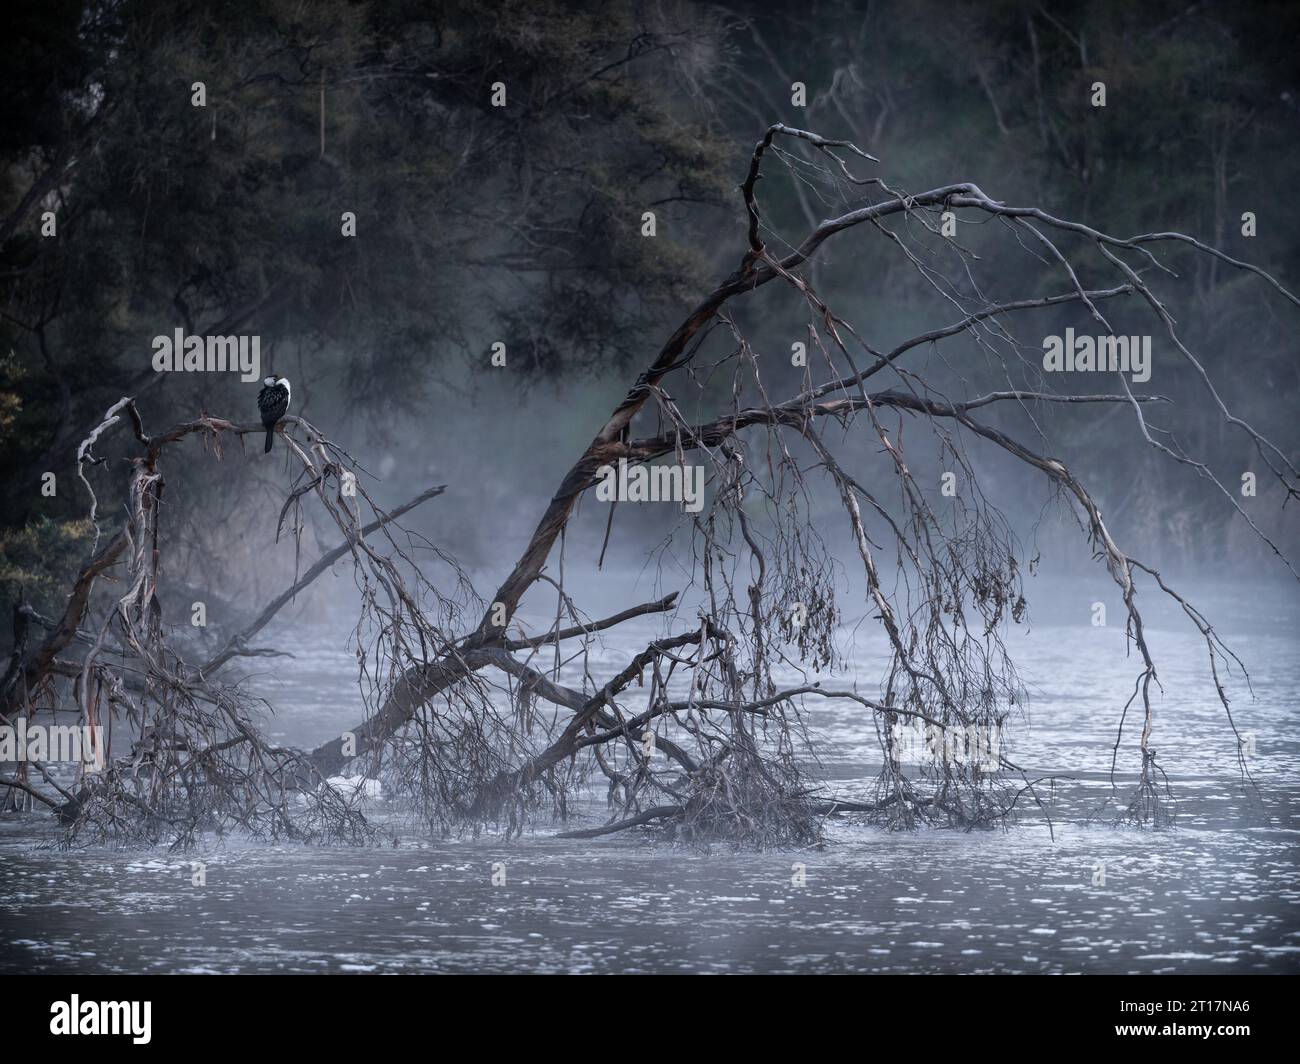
855,273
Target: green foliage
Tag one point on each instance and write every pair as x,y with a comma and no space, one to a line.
39,561
522,224
475,223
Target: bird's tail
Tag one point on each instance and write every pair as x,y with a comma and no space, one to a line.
270,435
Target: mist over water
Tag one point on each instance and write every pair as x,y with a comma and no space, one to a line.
1217,893
518,229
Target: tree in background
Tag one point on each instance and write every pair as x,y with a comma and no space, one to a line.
1201,107
522,219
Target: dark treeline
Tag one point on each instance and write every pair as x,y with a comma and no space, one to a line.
523,224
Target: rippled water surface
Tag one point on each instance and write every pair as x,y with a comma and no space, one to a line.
1218,893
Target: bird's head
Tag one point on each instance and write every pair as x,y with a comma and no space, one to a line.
268,381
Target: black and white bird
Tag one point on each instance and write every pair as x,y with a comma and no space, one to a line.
273,403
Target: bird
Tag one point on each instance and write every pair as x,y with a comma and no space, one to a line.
272,403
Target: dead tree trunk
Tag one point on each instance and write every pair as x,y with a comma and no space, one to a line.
732,740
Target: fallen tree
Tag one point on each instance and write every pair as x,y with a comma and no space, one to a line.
714,747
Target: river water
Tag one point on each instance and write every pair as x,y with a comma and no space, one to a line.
1220,892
